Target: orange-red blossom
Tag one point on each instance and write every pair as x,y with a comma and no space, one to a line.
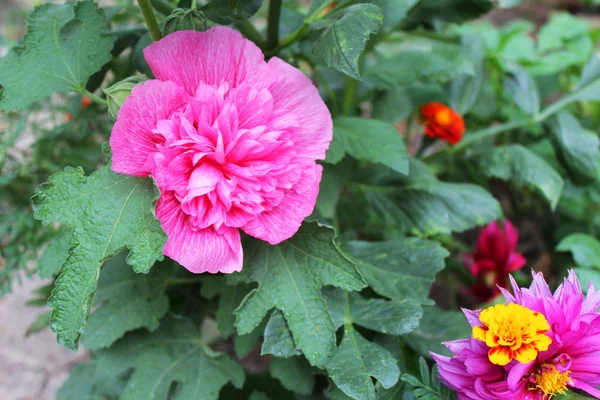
442,122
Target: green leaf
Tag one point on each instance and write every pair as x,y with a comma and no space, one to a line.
230,297
63,47
172,354
294,373
356,360
107,212
435,12
401,270
221,12
437,326
332,182
464,91
570,395
368,139
428,387
394,11
519,84
588,87
258,396
55,255
278,338
391,317
561,28
585,249
89,382
234,5
432,61
125,301
425,206
587,276
577,148
345,34
244,344
518,164
290,276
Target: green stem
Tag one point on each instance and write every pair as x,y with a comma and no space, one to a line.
273,24
162,6
480,134
322,81
92,96
553,108
150,19
349,95
290,39
249,31
194,4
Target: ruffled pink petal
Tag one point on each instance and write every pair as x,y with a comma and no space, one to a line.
132,139
284,220
215,57
294,92
201,250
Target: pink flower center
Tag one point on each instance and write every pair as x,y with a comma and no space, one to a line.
227,156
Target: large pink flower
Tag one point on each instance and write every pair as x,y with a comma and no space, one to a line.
494,258
231,141
571,358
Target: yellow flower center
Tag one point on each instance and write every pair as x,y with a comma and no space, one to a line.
443,117
512,332
550,381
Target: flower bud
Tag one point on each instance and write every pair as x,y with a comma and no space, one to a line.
184,20
117,93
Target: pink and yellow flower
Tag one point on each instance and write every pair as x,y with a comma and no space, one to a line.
231,140
540,344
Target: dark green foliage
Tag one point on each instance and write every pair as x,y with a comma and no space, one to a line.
345,307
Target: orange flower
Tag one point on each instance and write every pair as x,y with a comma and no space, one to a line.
86,102
68,117
327,9
442,122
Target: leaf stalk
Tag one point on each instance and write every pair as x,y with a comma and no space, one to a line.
150,19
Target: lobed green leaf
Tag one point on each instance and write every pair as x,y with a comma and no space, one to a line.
107,213
63,47
290,276
345,34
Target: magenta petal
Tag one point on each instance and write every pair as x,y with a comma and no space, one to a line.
215,57
511,235
516,261
132,139
200,250
516,374
586,388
